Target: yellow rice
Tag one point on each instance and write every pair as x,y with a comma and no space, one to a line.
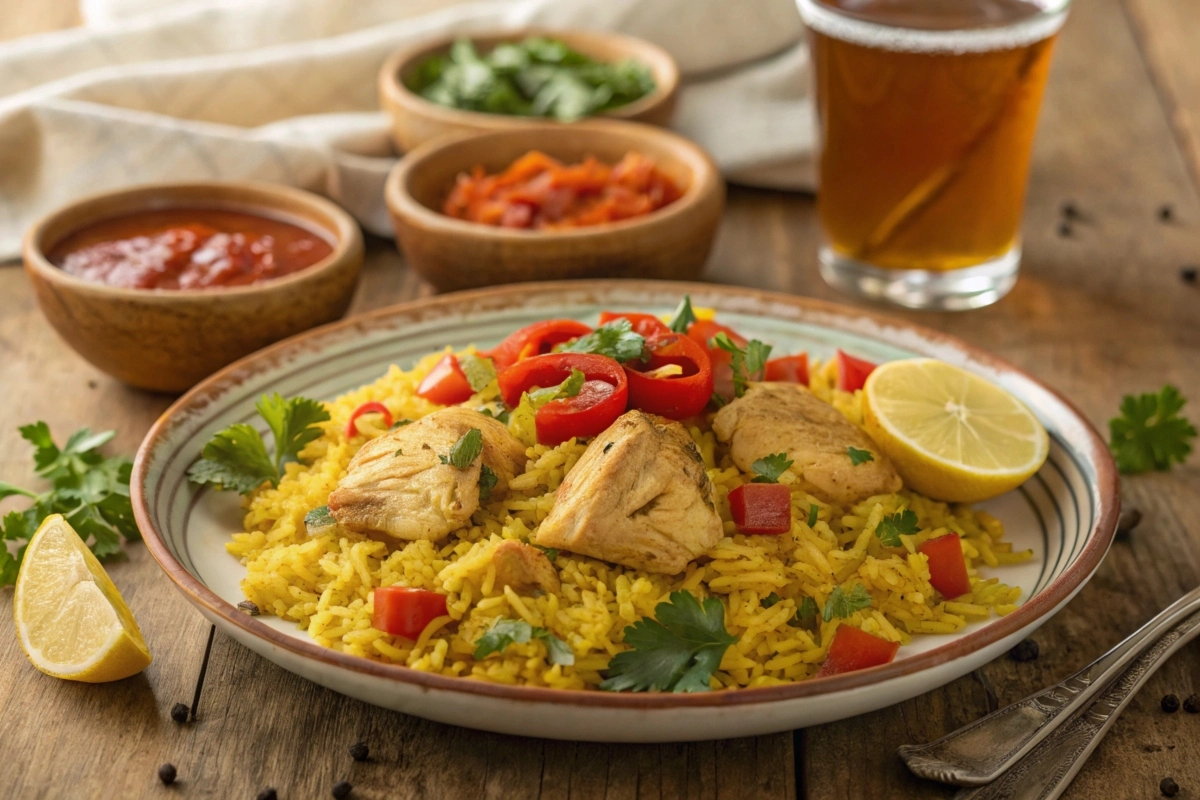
324,583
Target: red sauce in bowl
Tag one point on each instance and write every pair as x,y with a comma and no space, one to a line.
188,248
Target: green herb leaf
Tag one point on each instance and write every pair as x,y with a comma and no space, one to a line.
293,423
516,631
770,468
717,400
859,456
806,613
487,482
235,460
318,519
843,604
465,450
1151,434
812,515
892,526
400,423
568,388
678,651
615,339
551,552
747,363
769,600
498,414
683,317
480,371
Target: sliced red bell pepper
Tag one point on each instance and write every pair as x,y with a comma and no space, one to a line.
852,372
947,566
702,332
788,369
535,340
853,649
446,384
647,325
602,399
761,508
367,408
406,612
675,396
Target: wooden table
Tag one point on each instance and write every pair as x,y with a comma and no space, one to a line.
1096,314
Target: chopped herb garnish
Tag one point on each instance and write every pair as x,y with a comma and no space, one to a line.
683,317
842,604
465,450
318,519
400,423
768,469
812,515
805,613
480,372
892,526
568,388
859,456
615,339
747,362
1151,434
717,400
551,552
500,415
677,651
769,600
516,631
487,482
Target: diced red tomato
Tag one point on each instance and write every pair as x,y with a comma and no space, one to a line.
446,384
647,325
852,372
535,340
602,399
788,369
675,396
853,649
402,611
947,567
761,508
367,408
702,331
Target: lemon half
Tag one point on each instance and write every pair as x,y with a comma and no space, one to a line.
71,620
951,434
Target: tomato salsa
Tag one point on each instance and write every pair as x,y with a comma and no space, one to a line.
188,248
539,192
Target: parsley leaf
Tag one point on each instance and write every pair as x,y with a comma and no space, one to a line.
318,519
400,423
806,613
465,451
747,363
293,423
500,414
683,317
717,401
1151,434
516,631
812,515
859,456
890,527
615,339
480,372
770,468
678,651
841,604
487,482
769,600
570,387
551,552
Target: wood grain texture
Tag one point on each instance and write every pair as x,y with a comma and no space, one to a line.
1097,314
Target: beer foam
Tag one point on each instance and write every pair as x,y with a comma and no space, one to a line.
836,25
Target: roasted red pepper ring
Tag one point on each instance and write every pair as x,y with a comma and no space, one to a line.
602,399
702,332
535,340
675,396
446,384
788,369
852,649
367,408
647,325
406,612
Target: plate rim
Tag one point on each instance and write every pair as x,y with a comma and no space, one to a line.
1098,539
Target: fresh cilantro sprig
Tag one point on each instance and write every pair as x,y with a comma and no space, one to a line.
747,362
843,604
90,490
1151,434
890,528
806,613
479,371
858,456
768,469
517,631
615,339
465,450
236,459
683,317
677,651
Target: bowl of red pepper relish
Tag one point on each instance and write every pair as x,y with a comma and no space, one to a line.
160,286
594,199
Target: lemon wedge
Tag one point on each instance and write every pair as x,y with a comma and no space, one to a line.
951,434
71,620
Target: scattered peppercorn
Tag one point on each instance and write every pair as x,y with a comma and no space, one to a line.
1064,229
179,713
1166,213
359,751
1192,704
1026,650
249,608
1168,787
1130,518
1170,703
1189,273
166,774
268,793
1069,210
342,789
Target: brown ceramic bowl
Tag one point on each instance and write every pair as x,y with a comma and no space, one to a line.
168,340
415,120
671,243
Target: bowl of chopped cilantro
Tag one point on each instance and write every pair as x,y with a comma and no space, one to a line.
504,80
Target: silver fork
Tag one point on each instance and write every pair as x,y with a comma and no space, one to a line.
978,753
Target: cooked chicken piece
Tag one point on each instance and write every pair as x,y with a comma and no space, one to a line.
788,418
639,496
524,568
397,483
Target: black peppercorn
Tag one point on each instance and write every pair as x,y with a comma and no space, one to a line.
1189,273
1170,703
166,774
1192,704
1166,213
267,794
1026,650
1069,210
342,789
1168,787
179,712
1064,229
359,751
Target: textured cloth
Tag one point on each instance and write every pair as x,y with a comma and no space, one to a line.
285,91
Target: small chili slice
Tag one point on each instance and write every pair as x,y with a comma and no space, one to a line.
761,508
675,396
602,399
647,325
947,567
535,340
853,649
446,384
852,372
402,611
788,369
367,408
702,332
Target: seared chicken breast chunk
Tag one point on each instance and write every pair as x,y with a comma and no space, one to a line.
524,568
398,484
788,418
639,496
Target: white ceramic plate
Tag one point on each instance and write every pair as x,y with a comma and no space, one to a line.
1066,513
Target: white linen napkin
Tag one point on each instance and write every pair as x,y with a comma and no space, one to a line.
285,91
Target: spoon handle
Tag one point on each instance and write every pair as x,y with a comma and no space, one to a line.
977,753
